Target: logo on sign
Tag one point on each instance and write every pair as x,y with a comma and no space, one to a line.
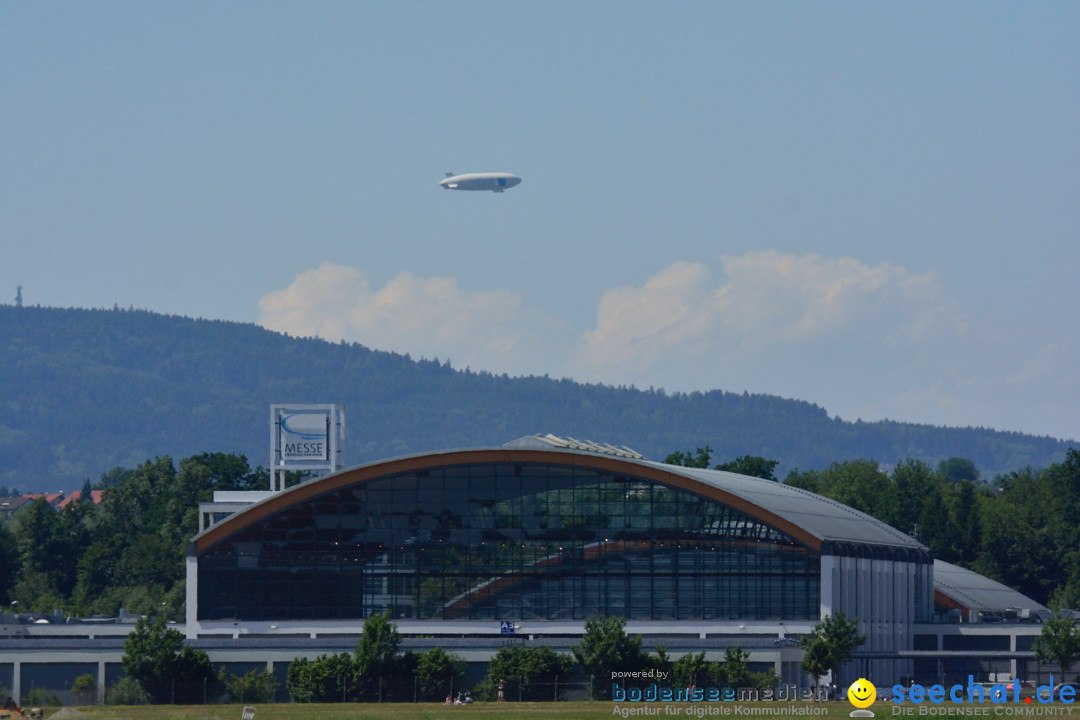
305,437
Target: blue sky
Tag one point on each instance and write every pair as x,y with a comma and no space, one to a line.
871,206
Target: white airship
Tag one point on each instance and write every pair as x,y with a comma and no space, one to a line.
495,182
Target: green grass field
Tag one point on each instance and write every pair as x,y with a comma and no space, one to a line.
439,711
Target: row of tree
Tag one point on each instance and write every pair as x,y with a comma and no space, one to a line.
161,668
378,671
126,552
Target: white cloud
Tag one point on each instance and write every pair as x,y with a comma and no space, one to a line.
863,341
637,328
430,317
788,297
769,303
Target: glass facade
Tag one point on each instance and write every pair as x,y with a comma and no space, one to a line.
509,542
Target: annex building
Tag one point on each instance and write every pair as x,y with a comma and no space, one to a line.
472,549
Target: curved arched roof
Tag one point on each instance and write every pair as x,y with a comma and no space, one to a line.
968,591
810,519
825,519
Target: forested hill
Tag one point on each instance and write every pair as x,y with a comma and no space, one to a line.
83,391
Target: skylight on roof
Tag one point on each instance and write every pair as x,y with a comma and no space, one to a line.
569,443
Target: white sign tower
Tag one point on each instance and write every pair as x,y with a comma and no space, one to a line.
305,437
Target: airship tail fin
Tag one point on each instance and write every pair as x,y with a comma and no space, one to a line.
449,174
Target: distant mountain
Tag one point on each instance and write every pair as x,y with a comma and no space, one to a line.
83,391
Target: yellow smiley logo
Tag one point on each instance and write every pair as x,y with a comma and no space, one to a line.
862,693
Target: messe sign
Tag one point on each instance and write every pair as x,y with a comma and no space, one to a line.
305,438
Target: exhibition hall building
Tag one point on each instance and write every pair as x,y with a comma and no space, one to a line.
474,549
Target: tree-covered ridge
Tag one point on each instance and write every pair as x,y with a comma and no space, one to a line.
87,390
